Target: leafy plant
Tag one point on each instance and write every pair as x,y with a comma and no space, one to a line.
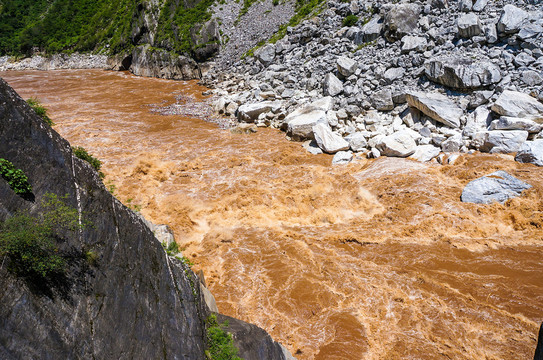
81,153
171,249
40,110
350,20
219,342
16,178
30,242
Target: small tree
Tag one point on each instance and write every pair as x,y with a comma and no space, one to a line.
30,242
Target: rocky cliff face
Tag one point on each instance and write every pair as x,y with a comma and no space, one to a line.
132,301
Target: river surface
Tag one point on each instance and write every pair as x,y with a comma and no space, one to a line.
372,260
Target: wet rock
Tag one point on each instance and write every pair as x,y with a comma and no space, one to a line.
346,66
469,26
437,106
512,19
496,187
462,73
531,152
332,86
512,123
498,141
342,157
400,20
517,104
539,349
357,141
399,144
328,141
382,100
424,153
244,128
414,43
312,147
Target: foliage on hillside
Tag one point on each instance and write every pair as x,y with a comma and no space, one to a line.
91,25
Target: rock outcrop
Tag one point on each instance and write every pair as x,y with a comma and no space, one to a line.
131,301
152,62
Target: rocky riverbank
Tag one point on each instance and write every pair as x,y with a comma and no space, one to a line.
421,80
55,62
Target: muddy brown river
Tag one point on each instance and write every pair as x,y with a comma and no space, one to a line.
372,260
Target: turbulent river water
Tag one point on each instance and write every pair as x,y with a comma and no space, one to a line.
372,260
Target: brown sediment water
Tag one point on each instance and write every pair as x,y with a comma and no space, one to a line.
372,260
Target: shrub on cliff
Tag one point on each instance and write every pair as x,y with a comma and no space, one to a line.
40,110
16,178
81,153
30,241
220,343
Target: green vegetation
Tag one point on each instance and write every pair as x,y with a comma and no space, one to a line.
175,24
133,207
16,178
30,242
350,20
219,342
172,249
27,26
81,153
40,110
91,257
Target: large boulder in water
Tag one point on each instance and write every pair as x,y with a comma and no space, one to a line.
498,186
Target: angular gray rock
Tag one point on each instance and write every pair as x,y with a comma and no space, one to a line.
356,141
414,43
517,104
452,144
300,123
425,153
328,141
250,112
399,144
312,147
370,31
469,26
477,121
479,5
512,123
496,187
531,152
462,73
342,157
512,19
437,106
532,78
497,141
346,66
382,100
332,86
266,54
393,73
400,20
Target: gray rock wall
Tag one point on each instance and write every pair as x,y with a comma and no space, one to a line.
133,302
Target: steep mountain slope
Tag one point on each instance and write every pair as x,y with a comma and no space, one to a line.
121,296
